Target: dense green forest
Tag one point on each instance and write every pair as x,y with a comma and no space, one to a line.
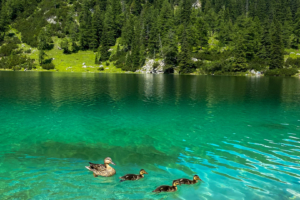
213,36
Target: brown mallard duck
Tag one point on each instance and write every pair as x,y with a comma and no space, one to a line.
166,188
102,169
189,182
133,177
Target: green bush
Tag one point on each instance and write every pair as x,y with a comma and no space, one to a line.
16,68
155,64
7,49
281,72
48,66
27,51
293,62
13,60
101,68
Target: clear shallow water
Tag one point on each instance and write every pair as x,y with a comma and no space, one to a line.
241,135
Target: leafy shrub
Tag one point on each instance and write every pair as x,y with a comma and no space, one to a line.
48,66
155,64
293,62
101,68
107,63
199,64
27,51
16,68
7,49
256,66
281,72
212,55
13,60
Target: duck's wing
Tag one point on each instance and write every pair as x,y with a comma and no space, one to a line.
162,188
98,167
129,177
183,181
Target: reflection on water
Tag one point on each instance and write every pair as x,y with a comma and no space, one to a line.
239,134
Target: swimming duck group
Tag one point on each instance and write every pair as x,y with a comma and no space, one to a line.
106,170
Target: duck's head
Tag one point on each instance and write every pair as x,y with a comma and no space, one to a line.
108,160
143,172
175,183
196,177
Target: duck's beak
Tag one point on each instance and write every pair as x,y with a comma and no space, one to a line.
111,162
146,172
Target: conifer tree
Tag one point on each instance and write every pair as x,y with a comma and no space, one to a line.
109,26
266,42
170,51
136,7
85,26
185,55
153,44
127,32
3,22
105,44
42,55
96,28
135,52
240,54
65,45
117,20
42,40
296,30
166,18
277,56
186,11
249,36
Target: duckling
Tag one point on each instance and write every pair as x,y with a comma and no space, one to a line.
189,182
133,177
102,169
166,188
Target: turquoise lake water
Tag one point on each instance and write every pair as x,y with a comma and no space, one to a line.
241,135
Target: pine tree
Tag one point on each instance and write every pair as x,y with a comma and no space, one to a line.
109,26
170,51
277,51
136,7
265,53
96,28
3,21
85,26
42,40
42,55
240,54
65,45
117,18
127,32
105,45
296,30
185,65
249,36
186,11
224,35
166,18
153,44
135,52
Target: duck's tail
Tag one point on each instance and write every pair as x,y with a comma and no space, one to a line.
88,167
121,177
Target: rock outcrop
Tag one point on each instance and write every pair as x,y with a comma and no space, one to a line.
149,67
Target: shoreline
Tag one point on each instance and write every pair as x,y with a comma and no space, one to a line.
244,74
